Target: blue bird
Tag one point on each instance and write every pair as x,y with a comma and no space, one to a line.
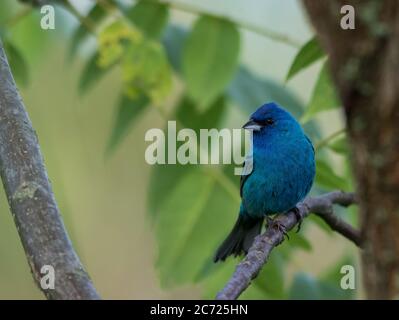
282,175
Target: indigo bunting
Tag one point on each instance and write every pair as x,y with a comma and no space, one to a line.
282,175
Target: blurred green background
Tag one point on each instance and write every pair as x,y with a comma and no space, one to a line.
132,236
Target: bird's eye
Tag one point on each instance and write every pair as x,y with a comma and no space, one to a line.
269,121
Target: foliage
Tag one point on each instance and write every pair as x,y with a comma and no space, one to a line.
188,204
145,69
18,64
208,69
324,96
306,56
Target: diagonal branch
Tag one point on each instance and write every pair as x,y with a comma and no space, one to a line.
326,212
259,253
31,198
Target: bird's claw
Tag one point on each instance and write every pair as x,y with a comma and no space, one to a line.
269,221
298,218
280,227
274,223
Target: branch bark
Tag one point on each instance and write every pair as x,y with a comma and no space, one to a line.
31,199
259,252
364,63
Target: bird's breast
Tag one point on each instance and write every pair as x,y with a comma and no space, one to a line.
281,178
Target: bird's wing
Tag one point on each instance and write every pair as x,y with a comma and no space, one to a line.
248,168
310,142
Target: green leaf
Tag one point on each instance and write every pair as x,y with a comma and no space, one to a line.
217,279
127,113
210,58
249,92
190,117
173,40
271,278
17,63
164,178
208,269
339,145
331,281
183,217
145,69
113,41
95,16
91,74
179,218
335,292
149,16
30,38
324,96
5,13
321,224
306,56
333,275
270,283
196,206
298,240
327,178
304,287
352,215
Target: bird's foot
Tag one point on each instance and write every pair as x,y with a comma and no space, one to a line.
298,218
269,221
276,224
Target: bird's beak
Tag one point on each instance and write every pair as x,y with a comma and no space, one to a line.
252,125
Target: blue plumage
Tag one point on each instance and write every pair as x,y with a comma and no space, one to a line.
283,173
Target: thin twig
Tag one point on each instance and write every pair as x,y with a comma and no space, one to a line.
84,20
259,253
271,34
18,17
322,143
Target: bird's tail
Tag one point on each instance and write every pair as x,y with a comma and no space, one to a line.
240,238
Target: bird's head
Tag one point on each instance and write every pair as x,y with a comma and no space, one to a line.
272,120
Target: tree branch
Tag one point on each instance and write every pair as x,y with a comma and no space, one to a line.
259,253
31,199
